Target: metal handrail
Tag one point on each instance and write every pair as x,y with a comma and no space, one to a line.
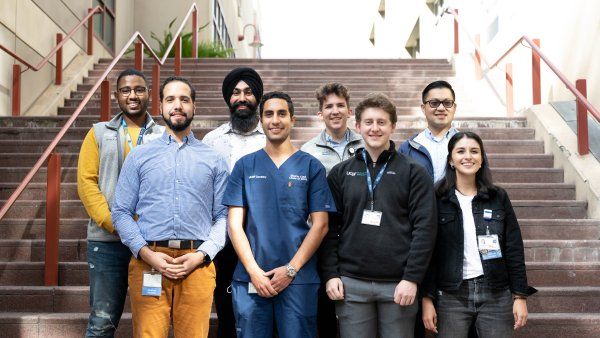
42,63
539,53
159,62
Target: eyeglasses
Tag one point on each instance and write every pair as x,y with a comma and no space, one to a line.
436,103
125,91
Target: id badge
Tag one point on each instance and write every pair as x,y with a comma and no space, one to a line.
251,289
152,284
489,247
371,217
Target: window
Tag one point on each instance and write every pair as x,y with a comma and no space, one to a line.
220,32
104,23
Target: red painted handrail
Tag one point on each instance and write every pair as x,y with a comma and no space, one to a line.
42,63
155,81
537,54
57,50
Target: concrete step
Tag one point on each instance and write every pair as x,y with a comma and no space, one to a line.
35,228
523,209
32,250
563,273
69,171
540,191
253,62
65,325
567,229
550,209
72,146
213,121
78,133
565,299
32,273
516,191
562,250
580,325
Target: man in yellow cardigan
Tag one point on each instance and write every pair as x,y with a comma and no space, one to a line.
102,154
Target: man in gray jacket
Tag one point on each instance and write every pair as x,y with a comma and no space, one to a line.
102,154
337,142
333,145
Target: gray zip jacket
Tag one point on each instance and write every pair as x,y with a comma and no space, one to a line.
319,148
111,144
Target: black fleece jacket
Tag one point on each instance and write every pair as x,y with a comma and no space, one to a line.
401,247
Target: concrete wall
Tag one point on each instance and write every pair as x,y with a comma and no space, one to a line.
29,28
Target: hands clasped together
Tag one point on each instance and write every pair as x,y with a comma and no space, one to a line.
174,268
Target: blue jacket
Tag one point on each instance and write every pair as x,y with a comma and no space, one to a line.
419,153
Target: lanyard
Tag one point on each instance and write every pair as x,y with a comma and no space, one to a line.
128,137
370,184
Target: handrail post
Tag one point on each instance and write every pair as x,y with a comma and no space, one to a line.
456,32
510,109
155,88
535,75
178,56
583,147
59,61
52,220
478,73
16,90
90,34
105,104
139,56
195,34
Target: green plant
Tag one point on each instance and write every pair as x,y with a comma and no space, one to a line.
205,49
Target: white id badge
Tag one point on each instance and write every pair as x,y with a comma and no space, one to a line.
371,217
251,288
489,247
152,284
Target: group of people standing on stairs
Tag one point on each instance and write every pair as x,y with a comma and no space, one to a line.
348,231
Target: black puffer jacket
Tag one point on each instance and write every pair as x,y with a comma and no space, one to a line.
446,269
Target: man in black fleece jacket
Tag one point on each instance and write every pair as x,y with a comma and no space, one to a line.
382,237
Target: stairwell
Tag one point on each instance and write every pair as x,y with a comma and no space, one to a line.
561,245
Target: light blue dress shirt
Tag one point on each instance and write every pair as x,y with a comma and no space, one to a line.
340,146
437,148
176,191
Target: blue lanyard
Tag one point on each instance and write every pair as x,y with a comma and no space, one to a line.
370,183
128,137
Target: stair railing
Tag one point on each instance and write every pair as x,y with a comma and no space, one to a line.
579,89
53,158
57,50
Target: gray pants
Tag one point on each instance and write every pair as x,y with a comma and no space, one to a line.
490,309
368,307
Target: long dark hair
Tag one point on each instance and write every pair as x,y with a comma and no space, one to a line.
483,178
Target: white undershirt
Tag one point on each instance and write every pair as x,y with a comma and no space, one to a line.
471,261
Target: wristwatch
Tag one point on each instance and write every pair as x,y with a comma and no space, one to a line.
291,272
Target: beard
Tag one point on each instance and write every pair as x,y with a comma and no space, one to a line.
243,120
177,127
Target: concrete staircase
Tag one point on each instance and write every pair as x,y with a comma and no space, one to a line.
561,246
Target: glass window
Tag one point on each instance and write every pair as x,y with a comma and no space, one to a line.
104,23
220,32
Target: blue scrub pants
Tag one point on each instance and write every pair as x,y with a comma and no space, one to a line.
294,311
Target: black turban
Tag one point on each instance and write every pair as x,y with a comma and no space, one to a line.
249,76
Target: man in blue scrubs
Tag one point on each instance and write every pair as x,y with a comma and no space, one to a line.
270,195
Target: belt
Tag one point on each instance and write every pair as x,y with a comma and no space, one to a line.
183,244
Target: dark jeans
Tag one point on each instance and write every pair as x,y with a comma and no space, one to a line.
326,319
108,266
225,262
490,310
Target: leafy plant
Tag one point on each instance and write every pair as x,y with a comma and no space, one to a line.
205,49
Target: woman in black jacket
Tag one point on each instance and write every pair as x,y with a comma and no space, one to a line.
477,273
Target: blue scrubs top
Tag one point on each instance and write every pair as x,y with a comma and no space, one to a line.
278,202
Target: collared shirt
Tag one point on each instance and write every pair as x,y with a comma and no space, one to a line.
176,191
232,145
338,146
437,148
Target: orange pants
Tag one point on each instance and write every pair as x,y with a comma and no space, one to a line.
185,302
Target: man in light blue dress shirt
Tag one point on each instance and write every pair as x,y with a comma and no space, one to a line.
168,211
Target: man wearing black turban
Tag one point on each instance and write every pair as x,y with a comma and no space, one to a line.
242,90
